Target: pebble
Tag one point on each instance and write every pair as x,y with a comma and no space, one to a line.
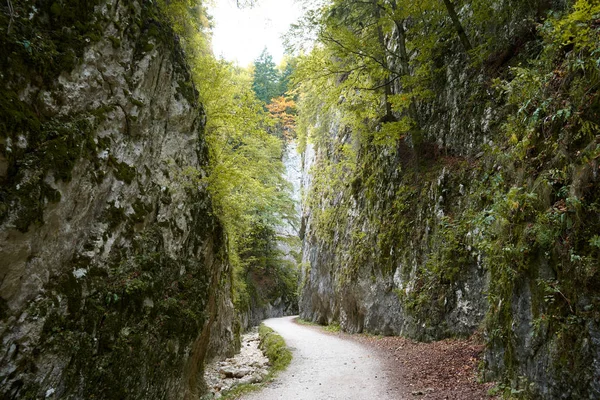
247,367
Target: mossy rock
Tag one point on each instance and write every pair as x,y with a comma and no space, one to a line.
122,171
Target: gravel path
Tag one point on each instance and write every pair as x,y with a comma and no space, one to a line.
325,367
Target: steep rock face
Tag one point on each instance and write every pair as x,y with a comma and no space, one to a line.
467,237
114,269
363,264
288,231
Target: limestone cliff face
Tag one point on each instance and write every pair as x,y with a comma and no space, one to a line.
450,243
113,268
364,268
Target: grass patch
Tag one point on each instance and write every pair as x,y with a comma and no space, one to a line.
301,321
274,348
334,328
240,390
371,335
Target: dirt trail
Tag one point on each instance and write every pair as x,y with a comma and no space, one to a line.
325,367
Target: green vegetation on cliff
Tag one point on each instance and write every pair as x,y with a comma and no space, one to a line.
456,188
457,169
127,264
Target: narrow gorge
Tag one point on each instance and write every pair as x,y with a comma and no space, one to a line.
419,169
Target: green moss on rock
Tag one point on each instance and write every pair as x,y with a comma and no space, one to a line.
122,171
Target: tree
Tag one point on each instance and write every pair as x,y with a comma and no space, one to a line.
249,193
457,25
266,78
356,61
283,110
287,69
384,54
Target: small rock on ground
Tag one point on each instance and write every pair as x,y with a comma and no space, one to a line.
250,365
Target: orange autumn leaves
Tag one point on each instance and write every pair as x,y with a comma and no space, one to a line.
283,110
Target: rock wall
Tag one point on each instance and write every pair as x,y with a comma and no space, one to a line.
450,238
363,267
113,268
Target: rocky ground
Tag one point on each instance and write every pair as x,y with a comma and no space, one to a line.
248,366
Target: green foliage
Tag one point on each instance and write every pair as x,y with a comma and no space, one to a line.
245,173
355,66
270,81
549,218
333,328
301,321
287,68
379,62
266,83
246,176
576,28
267,274
528,212
237,391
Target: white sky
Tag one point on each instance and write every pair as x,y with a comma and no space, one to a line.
241,35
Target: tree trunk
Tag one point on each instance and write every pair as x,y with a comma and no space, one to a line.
415,134
457,25
404,59
387,89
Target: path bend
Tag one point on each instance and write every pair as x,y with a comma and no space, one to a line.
324,367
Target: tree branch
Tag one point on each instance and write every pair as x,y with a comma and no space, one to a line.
12,16
378,86
458,26
358,53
